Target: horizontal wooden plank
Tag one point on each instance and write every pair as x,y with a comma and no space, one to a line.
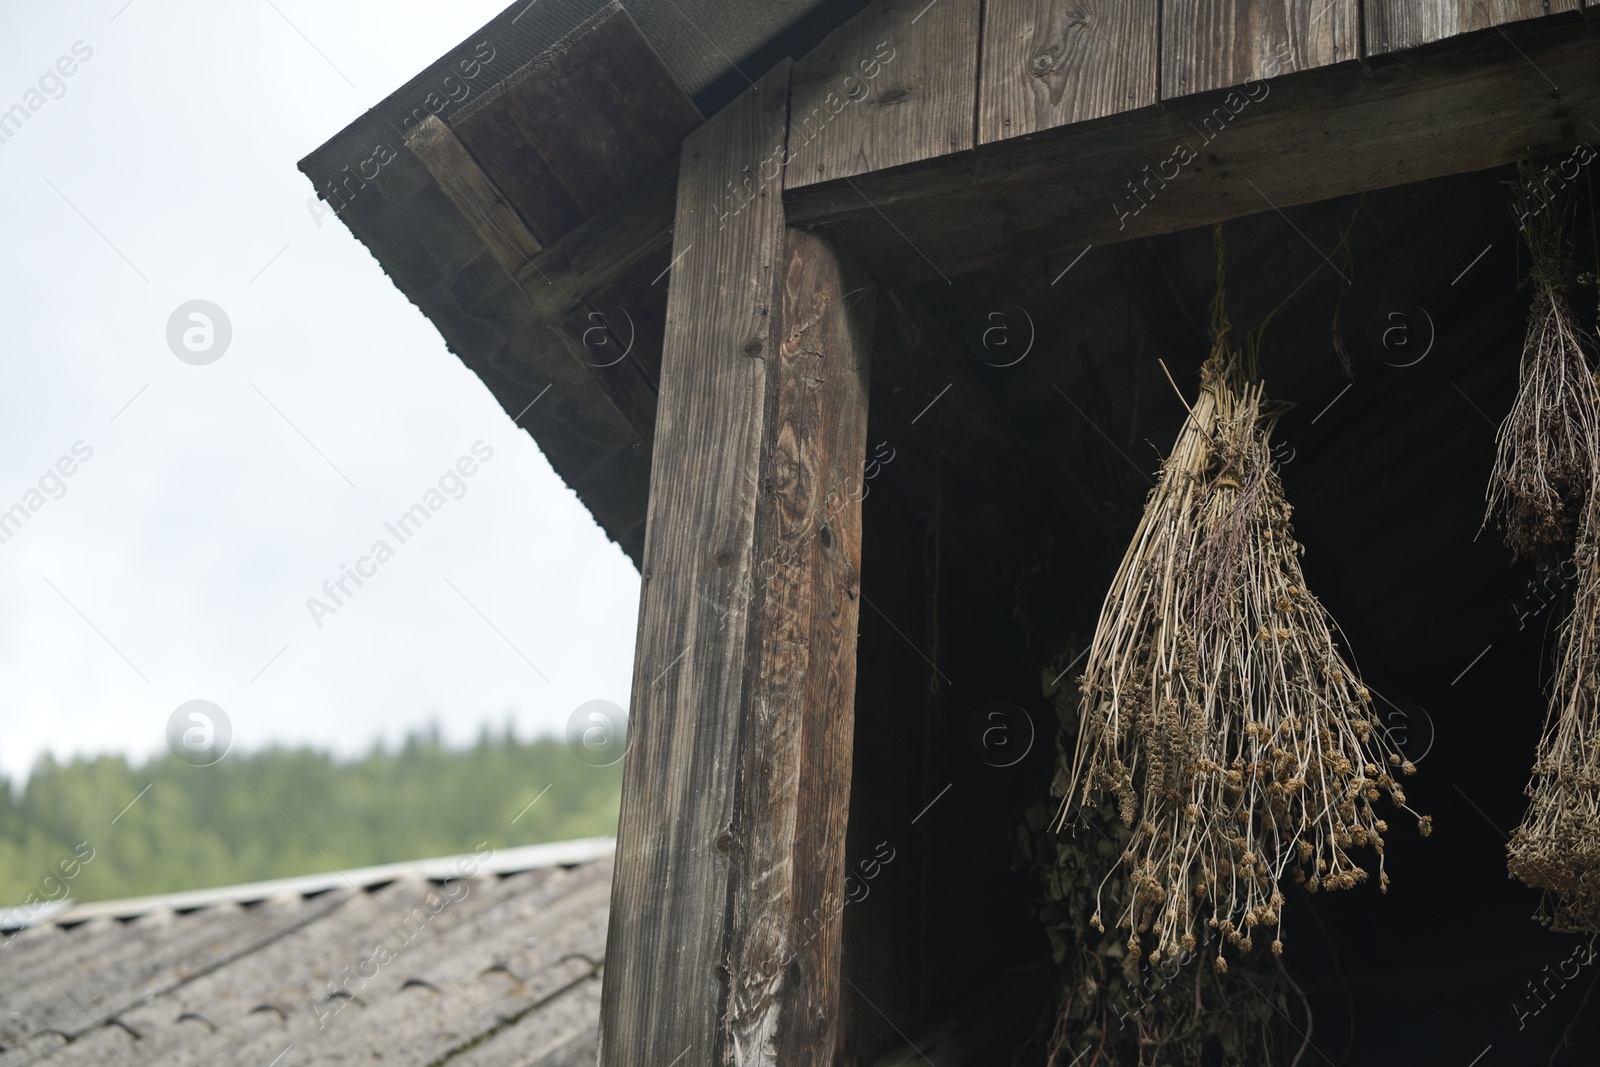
1393,25
1323,133
1216,44
896,84
1049,63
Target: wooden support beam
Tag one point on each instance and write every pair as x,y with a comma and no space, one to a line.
564,280
474,194
798,720
1319,134
737,775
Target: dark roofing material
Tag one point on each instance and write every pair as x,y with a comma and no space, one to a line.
497,969
438,262
705,44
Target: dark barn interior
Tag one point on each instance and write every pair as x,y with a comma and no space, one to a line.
992,534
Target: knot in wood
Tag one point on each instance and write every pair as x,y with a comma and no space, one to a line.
753,346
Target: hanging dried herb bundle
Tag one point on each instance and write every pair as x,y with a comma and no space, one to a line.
1557,847
1128,1010
1546,449
1217,708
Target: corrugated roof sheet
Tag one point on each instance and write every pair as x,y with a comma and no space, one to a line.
407,964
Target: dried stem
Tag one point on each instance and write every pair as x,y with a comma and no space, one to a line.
1547,448
1217,709
1557,847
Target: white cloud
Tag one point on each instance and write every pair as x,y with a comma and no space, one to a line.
204,520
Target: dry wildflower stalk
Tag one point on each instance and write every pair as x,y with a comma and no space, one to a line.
1217,709
1546,448
1557,847
1134,1012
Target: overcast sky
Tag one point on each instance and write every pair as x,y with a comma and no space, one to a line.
175,562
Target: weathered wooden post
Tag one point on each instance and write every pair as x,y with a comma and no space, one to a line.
737,778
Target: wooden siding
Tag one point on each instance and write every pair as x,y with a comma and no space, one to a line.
1215,44
1051,63
1393,25
1327,133
896,84
1047,63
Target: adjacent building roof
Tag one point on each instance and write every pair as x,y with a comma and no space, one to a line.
477,960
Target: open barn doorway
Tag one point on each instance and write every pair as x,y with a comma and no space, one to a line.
1027,415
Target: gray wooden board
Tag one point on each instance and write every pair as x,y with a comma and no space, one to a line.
1048,63
1324,133
895,84
662,990
1394,25
1215,44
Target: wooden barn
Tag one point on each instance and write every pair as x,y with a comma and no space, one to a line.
852,324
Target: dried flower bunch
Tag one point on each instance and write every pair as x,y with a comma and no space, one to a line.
1546,448
1557,846
1135,1012
1544,489
1217,709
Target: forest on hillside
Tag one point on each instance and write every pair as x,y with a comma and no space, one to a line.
101,828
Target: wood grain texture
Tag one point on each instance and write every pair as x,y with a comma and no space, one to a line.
479,200
1329,132
1393,25
579,125
1215,44
1048,63
664,984
894,85
796,738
